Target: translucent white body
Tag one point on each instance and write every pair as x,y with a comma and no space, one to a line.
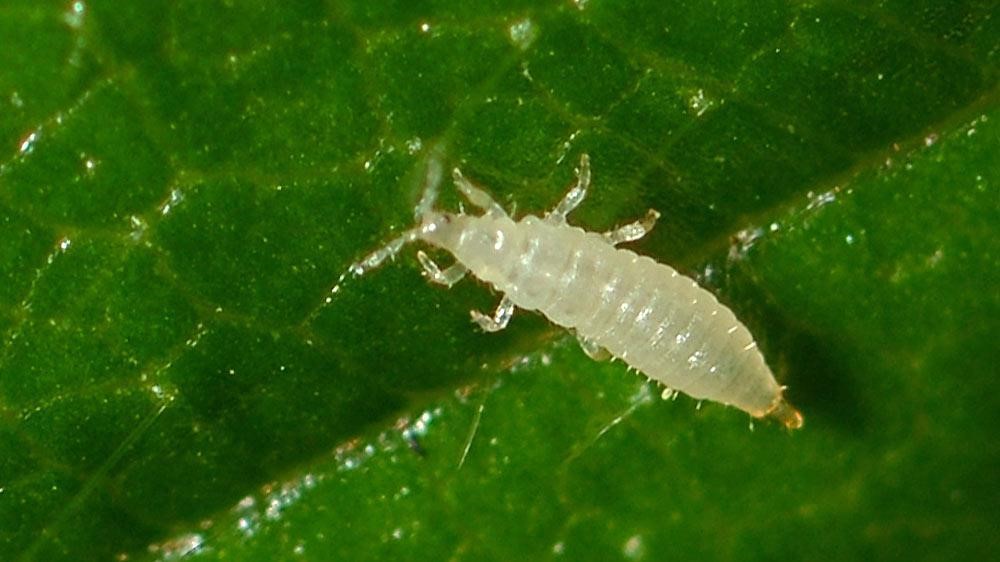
640,311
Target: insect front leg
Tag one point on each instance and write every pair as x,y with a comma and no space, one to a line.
574,196
632,231
477,196
500,319
447,277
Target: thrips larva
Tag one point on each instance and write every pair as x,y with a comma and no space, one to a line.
617,302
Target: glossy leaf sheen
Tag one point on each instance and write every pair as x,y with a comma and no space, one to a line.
183,183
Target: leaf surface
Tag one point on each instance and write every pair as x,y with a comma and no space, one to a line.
185,372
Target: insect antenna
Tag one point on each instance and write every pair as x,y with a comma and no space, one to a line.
423,213
432,181
376,258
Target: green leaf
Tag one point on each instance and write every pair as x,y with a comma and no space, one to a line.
185,372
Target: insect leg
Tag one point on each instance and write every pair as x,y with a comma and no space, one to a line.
593,349
447,277
632,231
376,258
500,318
477,196
575,195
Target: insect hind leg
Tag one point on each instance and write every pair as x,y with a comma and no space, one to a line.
575,195
633,231
500,319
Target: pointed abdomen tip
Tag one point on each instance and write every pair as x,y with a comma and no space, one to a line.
786,414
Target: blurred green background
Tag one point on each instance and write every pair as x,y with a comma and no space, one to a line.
182,184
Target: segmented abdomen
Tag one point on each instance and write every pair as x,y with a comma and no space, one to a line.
643,312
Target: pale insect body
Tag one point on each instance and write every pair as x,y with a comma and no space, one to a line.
616,301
